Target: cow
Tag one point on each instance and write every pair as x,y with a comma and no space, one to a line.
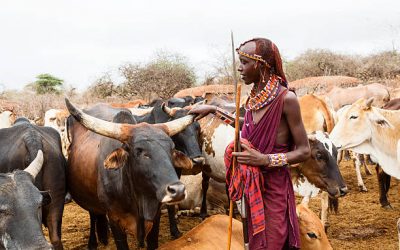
7,118
20,144
344,96
57,118
213,233
122,169
370,130
20,199
393,104
316,114
187,142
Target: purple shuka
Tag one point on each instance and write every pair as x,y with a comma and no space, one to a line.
281,225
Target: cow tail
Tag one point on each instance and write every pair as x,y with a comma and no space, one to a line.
33,143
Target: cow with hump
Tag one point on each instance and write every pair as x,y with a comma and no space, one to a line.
122,169
20,201
20,144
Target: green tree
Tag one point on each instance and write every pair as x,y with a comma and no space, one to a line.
46,84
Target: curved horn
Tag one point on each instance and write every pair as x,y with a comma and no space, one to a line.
167,109
109,129
176,126
36,165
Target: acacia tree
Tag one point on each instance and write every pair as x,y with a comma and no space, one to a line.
46,84
164,76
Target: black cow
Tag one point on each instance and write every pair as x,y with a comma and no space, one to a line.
19,146
122,169
20,201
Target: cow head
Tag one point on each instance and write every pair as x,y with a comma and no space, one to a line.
312,233
147,156
321,168
187,140
20,209
356,124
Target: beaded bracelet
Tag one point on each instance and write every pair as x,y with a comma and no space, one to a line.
277,160
225,116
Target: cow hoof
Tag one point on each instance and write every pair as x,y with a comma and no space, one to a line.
326,227
387,207
68,198
176,234
363,189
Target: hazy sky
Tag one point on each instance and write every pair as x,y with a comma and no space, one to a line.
79,40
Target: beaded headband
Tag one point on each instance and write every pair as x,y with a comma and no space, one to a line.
254,57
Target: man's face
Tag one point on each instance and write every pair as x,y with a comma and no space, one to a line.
249,68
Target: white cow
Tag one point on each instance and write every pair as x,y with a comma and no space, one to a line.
57,118
370,130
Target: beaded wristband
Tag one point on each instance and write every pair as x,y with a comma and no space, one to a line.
277,160
225,116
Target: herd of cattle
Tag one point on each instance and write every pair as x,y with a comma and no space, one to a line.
121,162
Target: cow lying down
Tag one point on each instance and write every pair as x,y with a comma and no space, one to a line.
213,233
20,201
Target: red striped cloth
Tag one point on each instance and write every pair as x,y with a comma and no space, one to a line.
247,180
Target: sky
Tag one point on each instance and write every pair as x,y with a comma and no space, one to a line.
78,41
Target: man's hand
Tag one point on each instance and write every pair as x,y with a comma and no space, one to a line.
250,156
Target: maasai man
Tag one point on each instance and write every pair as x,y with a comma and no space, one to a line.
274,137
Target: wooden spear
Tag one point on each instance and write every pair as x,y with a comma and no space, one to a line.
234,160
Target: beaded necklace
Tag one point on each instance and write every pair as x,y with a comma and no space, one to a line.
259,100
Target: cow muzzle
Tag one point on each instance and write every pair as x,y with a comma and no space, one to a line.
174,193
343,191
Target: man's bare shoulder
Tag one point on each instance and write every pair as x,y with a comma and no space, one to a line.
291,102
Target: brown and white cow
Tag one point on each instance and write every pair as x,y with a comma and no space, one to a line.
344,96
370,130
213,233
57,118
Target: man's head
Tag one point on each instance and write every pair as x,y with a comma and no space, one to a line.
259,57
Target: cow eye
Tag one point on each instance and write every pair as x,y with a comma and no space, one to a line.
52,118
312,235
353,117
318,156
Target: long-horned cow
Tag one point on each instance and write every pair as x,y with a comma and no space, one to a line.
122,169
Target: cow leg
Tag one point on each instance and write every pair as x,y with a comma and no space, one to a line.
141,232
92,244
173,224
53,217
384,185
357,164
204,186
339,156
324,210
363,159
152,237
120,237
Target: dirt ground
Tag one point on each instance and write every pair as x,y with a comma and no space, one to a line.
360,224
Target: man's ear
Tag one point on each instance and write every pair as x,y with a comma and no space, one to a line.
117,159
180,160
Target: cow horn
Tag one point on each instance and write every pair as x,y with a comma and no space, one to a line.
167,110
99,126
176,126
36,165
369,102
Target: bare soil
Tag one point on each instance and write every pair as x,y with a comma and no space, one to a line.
360,224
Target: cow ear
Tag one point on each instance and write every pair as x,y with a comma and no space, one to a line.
180,160
117,159
380,120
46,198
368,103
